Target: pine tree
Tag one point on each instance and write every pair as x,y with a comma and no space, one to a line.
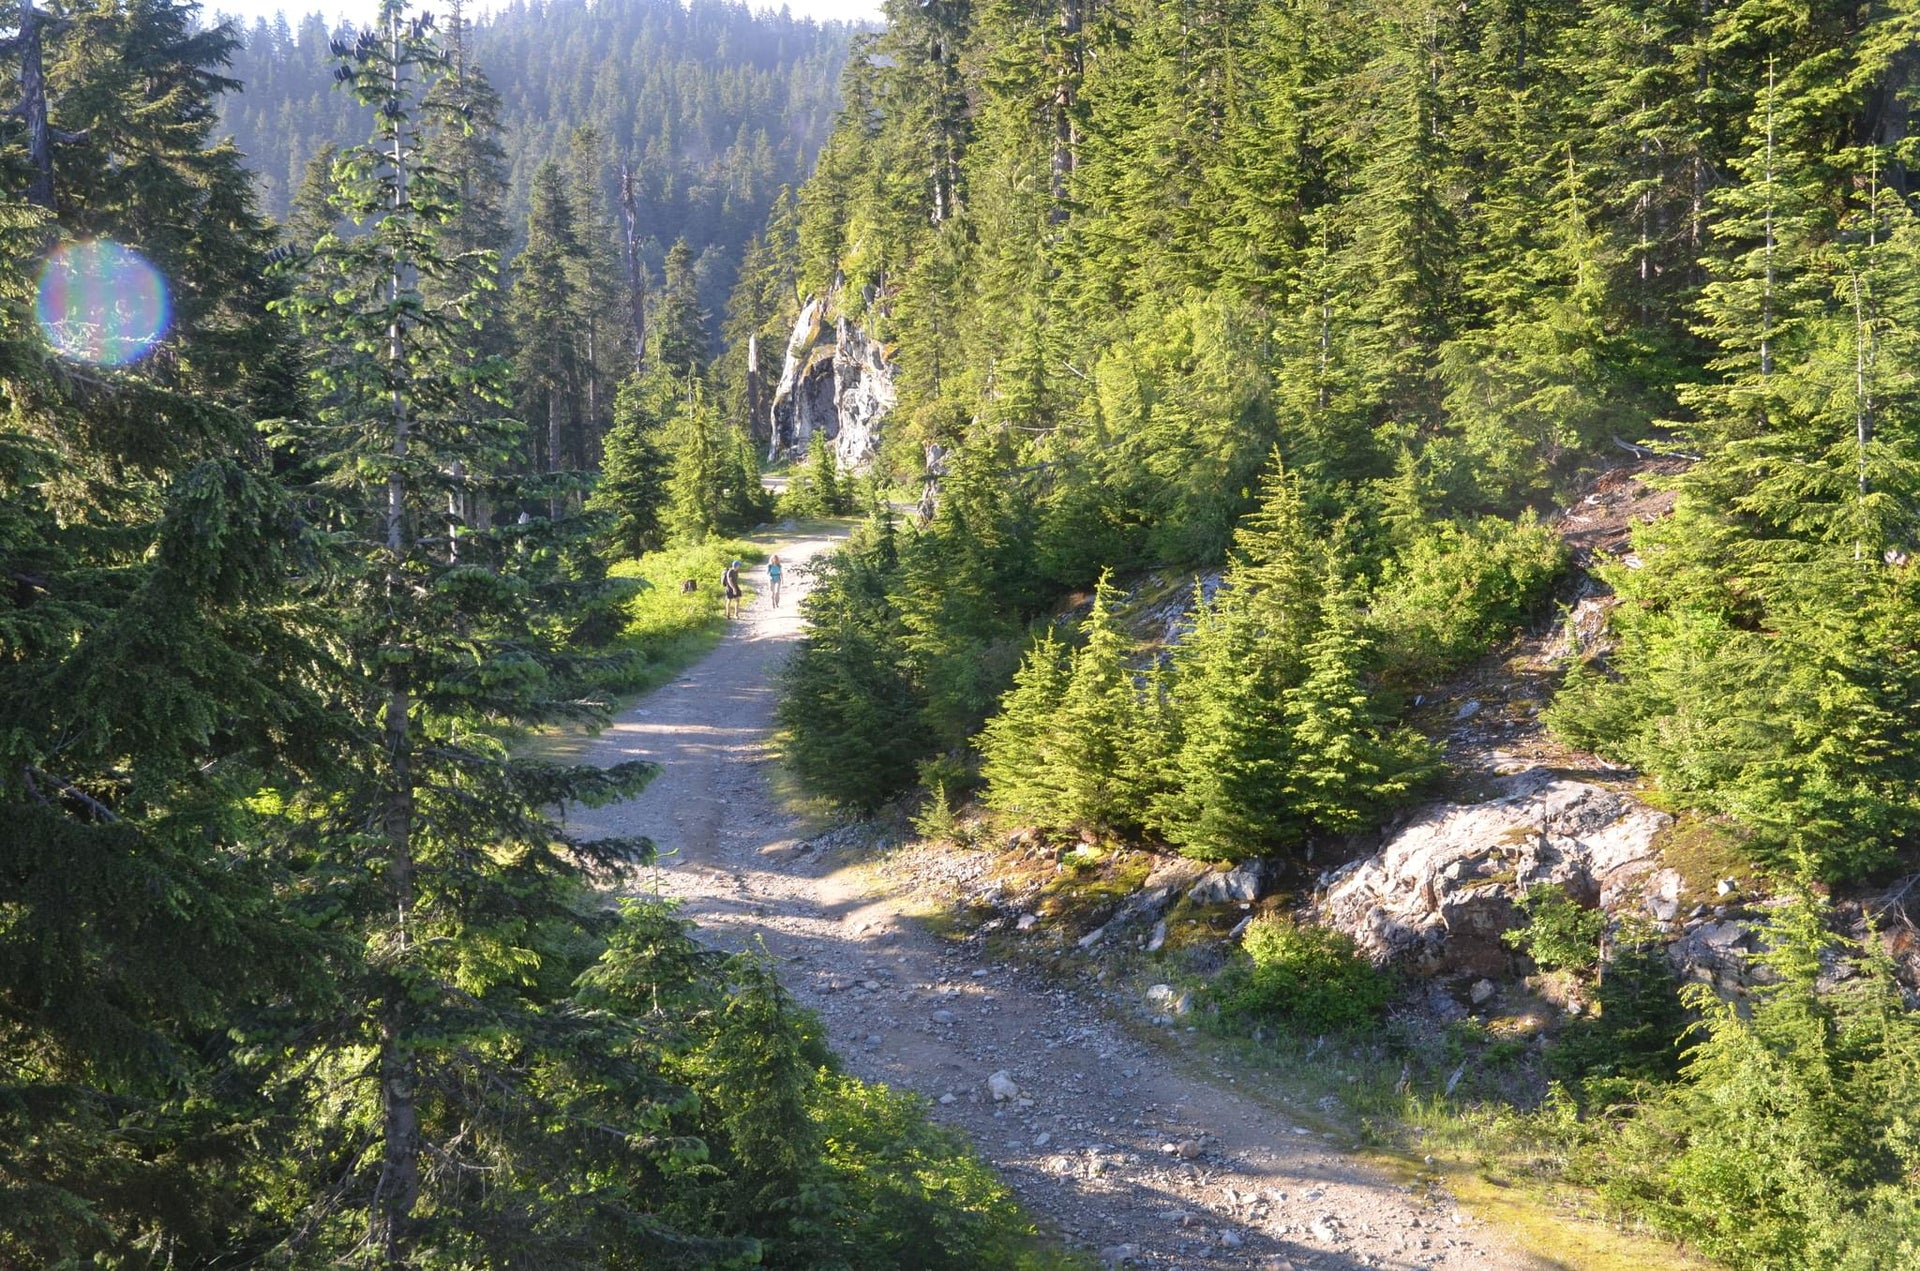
545,313
1017,755
679,328
1345,769
443,868
633,473
600,296
313,215
695,447
1096,745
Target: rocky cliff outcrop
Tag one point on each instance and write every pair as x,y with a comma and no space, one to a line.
836,383
1437,896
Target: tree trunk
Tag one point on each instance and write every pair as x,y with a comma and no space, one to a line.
399,1185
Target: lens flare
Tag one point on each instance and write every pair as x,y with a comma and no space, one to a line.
101,303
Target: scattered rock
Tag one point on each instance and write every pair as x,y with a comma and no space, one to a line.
1483,991
1468,709
942,1017
1025,922
1727,886
1230,1239
1119,1255
1091,938
1002,1087
1158,940
1187,1149
1169,1000
1042,1139
1242,883
947,1098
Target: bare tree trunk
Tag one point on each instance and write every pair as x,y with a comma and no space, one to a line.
636,275
1065,139
399,1184
42,136
754,406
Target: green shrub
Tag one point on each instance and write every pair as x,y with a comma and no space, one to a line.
1787,1144
1308,976
1560,935
850,702
1451,594
1634,1036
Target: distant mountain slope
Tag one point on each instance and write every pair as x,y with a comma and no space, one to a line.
715,105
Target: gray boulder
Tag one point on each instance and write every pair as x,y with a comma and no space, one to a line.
1441,891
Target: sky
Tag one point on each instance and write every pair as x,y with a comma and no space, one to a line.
846,10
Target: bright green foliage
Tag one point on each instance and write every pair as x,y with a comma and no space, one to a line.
1094,739
1067,748
633,471
694,444
850,702
1787,1142
818,489
1016,747
1307,977
1559,934
1776,700
1277,735
1347,766
1454,590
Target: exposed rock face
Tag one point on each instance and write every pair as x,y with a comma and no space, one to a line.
1439,894
836,383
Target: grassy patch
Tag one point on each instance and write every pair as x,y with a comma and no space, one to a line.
667,630
1703,850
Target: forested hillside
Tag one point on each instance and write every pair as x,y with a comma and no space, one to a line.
1396,277
712,107
1325,307
298,965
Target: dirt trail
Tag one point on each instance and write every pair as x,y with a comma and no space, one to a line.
1127,1152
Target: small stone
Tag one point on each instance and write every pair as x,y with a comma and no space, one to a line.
873,1039
1468,709
1002,1087
1727,886
1230,1239
1025,921
1158,940
980,974
1483,990
1092,938
1187,1149
871,986
942,1017
1119,1255
947,1097
1042,1139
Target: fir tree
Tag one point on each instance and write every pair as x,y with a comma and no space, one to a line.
1345,769
695,447
441,864
1017,747
679,328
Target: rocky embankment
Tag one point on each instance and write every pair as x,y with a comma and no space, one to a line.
1443,888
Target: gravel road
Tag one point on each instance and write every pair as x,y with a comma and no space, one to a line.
1116,1144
